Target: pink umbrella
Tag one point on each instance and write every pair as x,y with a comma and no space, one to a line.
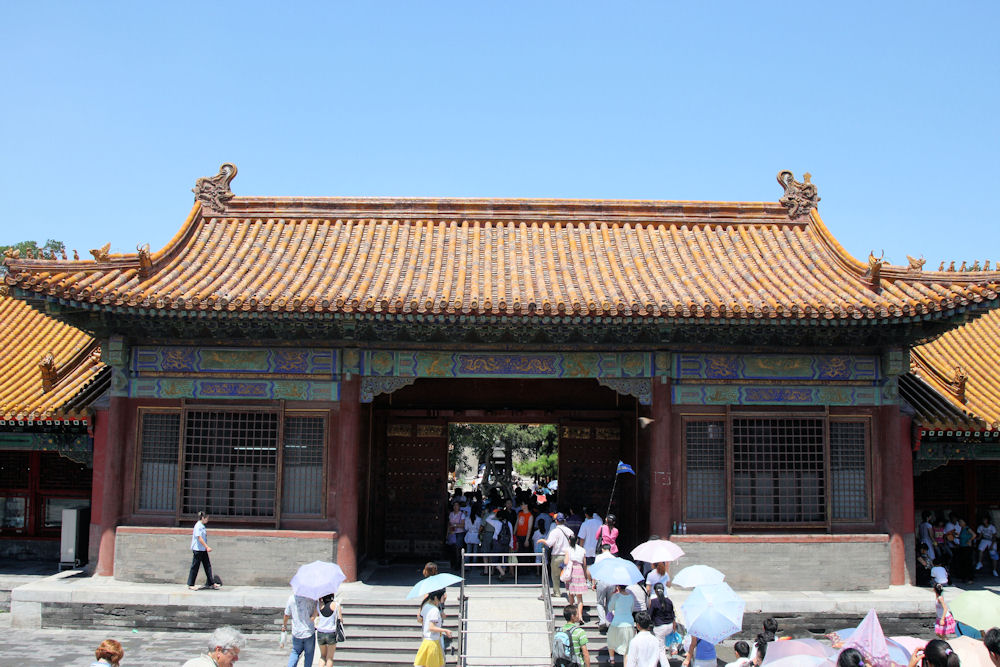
869,639
796,648
972,652
911,644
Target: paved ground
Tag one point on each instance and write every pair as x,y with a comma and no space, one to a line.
73,648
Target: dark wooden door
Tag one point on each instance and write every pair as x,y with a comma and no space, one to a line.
415,487
588,458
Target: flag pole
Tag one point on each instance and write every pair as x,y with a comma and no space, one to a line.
612,493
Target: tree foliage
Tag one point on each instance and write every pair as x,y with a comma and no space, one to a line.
525,440
544,466
52,248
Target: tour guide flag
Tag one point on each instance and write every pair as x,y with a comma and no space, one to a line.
622,467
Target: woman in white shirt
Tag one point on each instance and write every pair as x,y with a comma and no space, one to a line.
575,558
431,652
327,613
473,526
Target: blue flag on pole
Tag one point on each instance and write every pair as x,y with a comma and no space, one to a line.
624,467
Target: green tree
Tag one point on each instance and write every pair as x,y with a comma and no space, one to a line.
52,248
521,440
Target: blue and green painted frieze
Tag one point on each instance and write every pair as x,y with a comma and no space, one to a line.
504,365
230,360
787,367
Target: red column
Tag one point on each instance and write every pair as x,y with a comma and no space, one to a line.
99,428
897,490
661,513
108,482
349,424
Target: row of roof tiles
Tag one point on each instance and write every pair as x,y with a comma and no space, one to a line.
45,363
963,368
583,258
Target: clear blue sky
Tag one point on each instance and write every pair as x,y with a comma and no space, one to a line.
111,110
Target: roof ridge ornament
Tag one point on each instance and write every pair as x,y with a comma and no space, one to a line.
145,261
916,265
49,371
213,192
102,254
799,197
874,272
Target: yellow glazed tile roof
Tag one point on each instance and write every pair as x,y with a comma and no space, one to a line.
963,366
650,259
27,338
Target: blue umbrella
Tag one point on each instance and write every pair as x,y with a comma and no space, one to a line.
713,612
617,571
431,584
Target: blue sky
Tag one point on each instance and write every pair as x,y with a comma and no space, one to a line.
112,110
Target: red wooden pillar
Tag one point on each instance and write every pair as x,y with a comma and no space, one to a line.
661,513
897,490
108,482
348,465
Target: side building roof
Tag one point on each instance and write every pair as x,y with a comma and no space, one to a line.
47,365
955,379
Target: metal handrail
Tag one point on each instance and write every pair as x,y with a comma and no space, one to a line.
538,561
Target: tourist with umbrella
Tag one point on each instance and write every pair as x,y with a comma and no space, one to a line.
431,651
619,573
713,612
310,583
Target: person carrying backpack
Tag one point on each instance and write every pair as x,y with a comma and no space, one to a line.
569,644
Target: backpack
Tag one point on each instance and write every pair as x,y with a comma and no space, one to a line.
563,654
504,536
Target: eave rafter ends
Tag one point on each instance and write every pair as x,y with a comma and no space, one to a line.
580,260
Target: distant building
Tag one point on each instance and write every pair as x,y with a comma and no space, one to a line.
954,389
51,382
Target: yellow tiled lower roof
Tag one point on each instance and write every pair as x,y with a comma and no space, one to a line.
26,338
973,351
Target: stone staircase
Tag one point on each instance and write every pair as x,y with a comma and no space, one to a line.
597,643
384,632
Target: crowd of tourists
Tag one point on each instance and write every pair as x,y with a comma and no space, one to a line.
952,551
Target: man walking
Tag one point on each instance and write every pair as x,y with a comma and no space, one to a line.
577,634
644,649
588,534
604,591
558,543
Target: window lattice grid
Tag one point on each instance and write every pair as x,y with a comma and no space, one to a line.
987,489
15,467
302,472
705,445
58,472
778,470
159,440
848,470
230,463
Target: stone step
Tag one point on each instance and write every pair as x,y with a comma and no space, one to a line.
346,658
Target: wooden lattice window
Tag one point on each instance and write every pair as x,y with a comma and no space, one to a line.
302,465
849,470
159,438
230,463
705,452
778,470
